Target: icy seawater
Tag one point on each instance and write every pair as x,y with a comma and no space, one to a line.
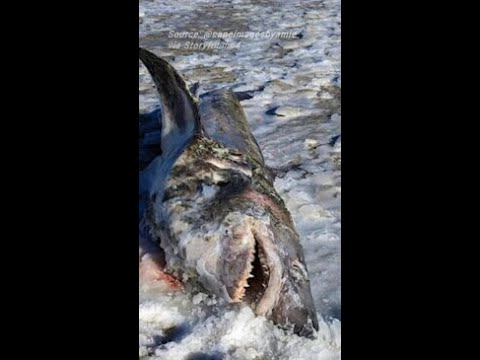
290,88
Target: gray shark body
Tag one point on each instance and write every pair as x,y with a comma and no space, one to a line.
211,208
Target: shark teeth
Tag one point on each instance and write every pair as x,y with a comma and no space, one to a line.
242,283
252,282
251,286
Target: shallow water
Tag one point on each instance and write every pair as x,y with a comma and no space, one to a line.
295,114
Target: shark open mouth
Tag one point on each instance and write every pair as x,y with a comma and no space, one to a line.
251,284
260,283
257,281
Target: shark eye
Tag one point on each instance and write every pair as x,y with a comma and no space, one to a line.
223,183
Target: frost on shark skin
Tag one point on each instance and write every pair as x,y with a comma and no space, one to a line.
214,210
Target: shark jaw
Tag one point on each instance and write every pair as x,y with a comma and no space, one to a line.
260,281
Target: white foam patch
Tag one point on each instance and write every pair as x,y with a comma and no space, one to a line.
231,333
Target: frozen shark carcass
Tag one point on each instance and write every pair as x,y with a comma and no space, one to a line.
211,212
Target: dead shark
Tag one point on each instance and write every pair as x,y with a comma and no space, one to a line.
209,212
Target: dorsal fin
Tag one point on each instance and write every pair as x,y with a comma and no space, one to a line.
180,116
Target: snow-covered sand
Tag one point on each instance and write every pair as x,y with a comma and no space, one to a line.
294,112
